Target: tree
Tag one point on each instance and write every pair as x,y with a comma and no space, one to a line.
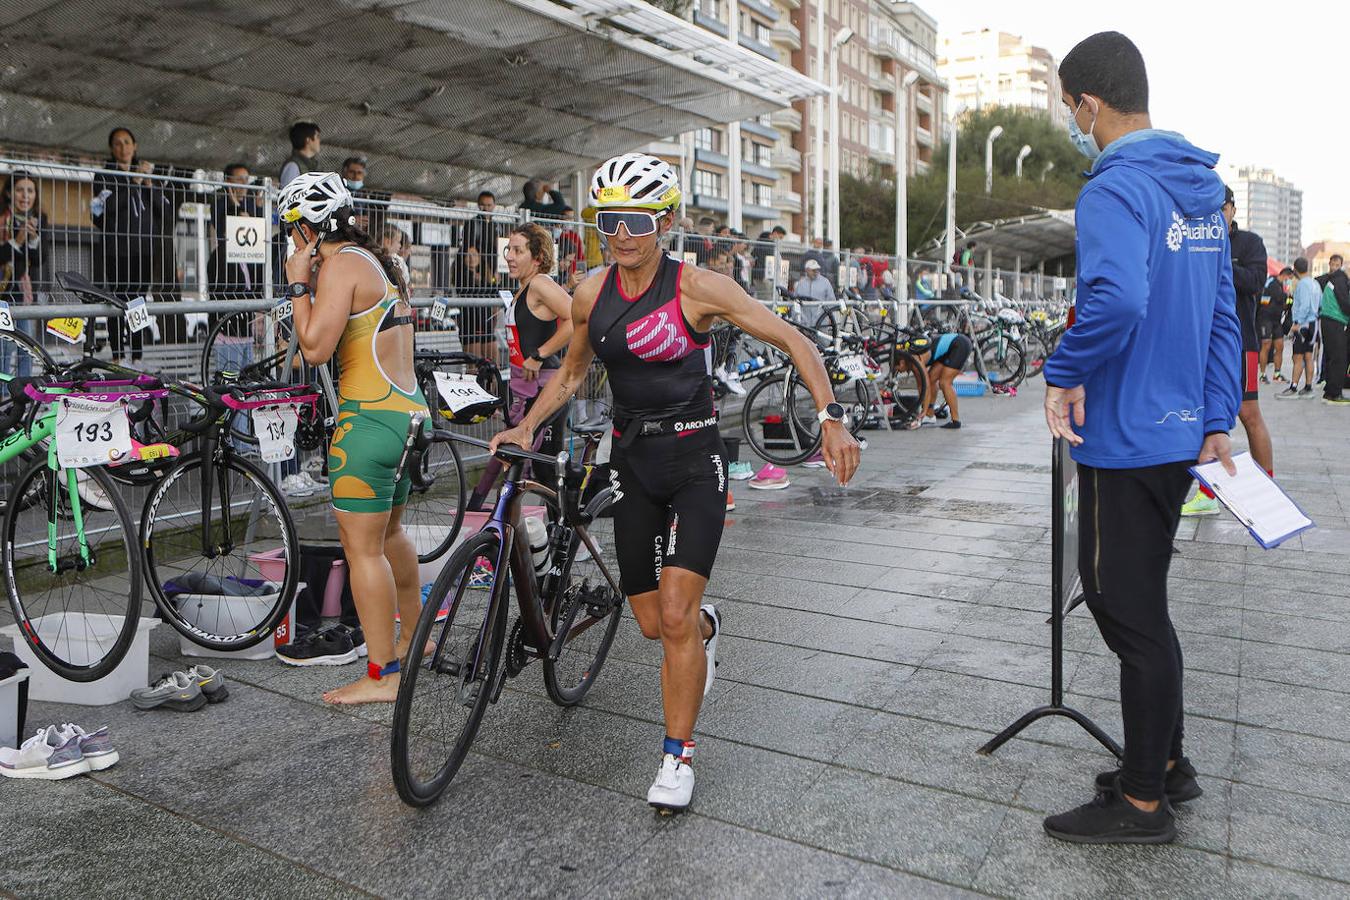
868,205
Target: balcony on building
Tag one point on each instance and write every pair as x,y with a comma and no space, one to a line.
785,34
709,203
787,117
791,4
882,81
923,102
763,50
924,136
789,201
787,158
763,8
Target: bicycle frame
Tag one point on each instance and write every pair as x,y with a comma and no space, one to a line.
24,439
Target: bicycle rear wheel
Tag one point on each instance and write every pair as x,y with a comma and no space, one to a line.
80,619
442,694
1004,359
907,385
585,608
229,586
772,428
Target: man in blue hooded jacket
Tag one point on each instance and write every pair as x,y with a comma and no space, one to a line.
1145,383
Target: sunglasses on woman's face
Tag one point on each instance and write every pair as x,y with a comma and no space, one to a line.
638,224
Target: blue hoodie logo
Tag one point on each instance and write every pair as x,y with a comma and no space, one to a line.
1183,229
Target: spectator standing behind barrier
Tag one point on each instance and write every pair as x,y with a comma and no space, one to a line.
306,139
570,262
475,280
1145,383
1335,317
481,232
701,242
542,198
398,247
130,213
816,252
372,207
23,227
763,252
743,264
812,285
234,281
829,262
1307,300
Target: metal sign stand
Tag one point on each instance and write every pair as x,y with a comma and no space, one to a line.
1064,592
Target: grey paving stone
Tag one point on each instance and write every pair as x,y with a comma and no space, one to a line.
814,673
1299,833
1310,668
1311,711
916,829
79,837
707,859
1292,763
803,726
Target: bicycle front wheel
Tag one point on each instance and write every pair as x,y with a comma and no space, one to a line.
221,552
449,671
71,569
586,609
1004,360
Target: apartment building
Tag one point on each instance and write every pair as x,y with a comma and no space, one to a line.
1269,206
993,68
888,40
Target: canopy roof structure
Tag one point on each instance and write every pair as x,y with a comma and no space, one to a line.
441,96
1029,239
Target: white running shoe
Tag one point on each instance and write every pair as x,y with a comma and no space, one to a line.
710,645
96,745
296,486
50,756
674,784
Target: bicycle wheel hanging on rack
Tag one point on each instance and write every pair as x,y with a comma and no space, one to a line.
73,581
220,551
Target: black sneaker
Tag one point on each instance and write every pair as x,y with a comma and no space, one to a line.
1306,392
1180,785
330,646
1288,393
358,638
1111,819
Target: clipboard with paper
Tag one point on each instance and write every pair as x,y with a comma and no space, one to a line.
1255,500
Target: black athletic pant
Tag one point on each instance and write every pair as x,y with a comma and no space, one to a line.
1333,357
1127,520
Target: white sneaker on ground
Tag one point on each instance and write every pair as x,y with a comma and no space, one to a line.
674,784
296,486
50,756
710,645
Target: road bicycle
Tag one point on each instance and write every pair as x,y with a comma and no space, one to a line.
70,551
461,652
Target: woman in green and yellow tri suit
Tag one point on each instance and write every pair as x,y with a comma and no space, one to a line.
350,297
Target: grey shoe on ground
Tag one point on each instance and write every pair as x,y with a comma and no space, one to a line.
96,746
211,681
176,691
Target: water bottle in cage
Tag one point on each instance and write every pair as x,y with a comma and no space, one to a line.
541,549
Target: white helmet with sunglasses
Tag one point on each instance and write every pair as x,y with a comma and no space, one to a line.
633,181
317,198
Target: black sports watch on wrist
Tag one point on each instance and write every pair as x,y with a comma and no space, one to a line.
833,412
297,289
536,357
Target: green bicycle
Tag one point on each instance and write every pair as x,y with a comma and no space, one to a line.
71,561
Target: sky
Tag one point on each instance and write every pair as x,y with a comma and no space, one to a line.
1231,77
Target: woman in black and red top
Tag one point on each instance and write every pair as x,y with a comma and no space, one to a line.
647,317
538,327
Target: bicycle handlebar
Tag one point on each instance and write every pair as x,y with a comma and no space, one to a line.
571,473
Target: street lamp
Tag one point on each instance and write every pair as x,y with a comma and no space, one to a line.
902,175
989,158
1021,155
841,37
951,184
1046,171
818,123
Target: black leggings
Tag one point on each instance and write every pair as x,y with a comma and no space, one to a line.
1127,521
1333,357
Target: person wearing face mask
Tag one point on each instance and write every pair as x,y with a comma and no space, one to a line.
371,206
1154,295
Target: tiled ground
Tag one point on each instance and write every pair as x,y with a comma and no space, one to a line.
875,637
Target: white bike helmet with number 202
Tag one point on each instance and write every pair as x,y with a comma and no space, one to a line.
635,181
318,198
